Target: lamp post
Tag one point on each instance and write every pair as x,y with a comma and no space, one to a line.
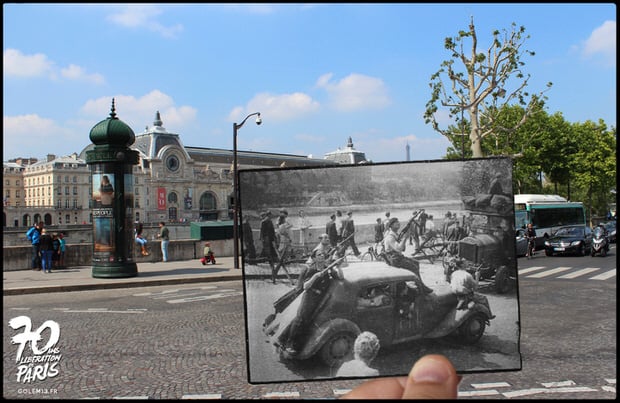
236,187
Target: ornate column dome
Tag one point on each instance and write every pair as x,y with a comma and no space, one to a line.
112,131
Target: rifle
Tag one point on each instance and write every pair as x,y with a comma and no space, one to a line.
340,244
408,226
321,273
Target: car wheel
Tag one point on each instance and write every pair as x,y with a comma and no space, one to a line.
472,329
502,280
548,252
337,349
582,250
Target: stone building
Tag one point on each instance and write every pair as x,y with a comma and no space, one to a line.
55,191
172,182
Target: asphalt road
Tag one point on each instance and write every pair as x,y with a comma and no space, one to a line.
188,341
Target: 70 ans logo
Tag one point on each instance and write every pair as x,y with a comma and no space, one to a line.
43,363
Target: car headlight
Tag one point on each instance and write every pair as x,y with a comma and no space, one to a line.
547,243
575,243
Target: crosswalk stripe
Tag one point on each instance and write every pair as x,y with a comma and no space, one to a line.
579,272
604,276
547,273
531,269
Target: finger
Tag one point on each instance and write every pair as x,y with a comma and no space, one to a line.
432,377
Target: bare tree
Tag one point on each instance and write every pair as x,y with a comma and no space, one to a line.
485,83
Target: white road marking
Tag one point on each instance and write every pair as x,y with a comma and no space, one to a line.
604,276
471,393
534,391
341,392
490,385
558,384
205,297
280,395
173,290
203,397
531,269
550,272
103,310
579,272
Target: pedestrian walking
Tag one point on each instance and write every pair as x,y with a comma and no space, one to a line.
248,239
56,250
379,231
63,249
348,231
283,232
332,231
268,239
47,251
34,236
164,235
304,224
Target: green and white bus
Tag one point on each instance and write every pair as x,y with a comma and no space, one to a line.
547,213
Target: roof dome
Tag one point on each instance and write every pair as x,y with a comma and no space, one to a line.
112,131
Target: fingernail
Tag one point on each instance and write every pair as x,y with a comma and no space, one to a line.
429,370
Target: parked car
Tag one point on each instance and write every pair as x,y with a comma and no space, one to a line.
521,242
571,239
396,313
610,226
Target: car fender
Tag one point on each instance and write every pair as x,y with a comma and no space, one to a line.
456,317
319,335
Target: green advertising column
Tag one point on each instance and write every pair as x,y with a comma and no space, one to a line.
111,162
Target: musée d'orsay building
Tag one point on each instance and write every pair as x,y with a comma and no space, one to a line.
172,182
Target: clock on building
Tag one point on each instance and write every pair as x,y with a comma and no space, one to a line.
172,163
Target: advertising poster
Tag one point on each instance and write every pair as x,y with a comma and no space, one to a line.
103,216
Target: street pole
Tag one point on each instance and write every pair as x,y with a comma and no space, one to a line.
462,136
236,188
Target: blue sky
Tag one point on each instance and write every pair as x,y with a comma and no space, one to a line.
317,73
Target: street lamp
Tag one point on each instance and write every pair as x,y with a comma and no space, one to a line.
236,186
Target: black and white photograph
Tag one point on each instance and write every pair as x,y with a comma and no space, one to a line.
356,271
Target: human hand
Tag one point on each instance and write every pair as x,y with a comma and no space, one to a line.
432,377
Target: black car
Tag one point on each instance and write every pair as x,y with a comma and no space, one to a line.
573,239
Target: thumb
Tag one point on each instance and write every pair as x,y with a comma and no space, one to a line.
432,377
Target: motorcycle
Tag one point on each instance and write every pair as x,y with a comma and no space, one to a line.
600,243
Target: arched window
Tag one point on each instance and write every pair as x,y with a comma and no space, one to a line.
208,206
208,201
172,197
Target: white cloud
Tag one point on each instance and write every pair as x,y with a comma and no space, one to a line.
277,107
602,42
77,73
140,112
17,64
355,92
144,16
44,136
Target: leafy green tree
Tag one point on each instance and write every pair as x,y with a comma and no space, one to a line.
595,164
480,86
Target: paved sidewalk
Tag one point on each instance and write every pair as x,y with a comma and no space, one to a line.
149,274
